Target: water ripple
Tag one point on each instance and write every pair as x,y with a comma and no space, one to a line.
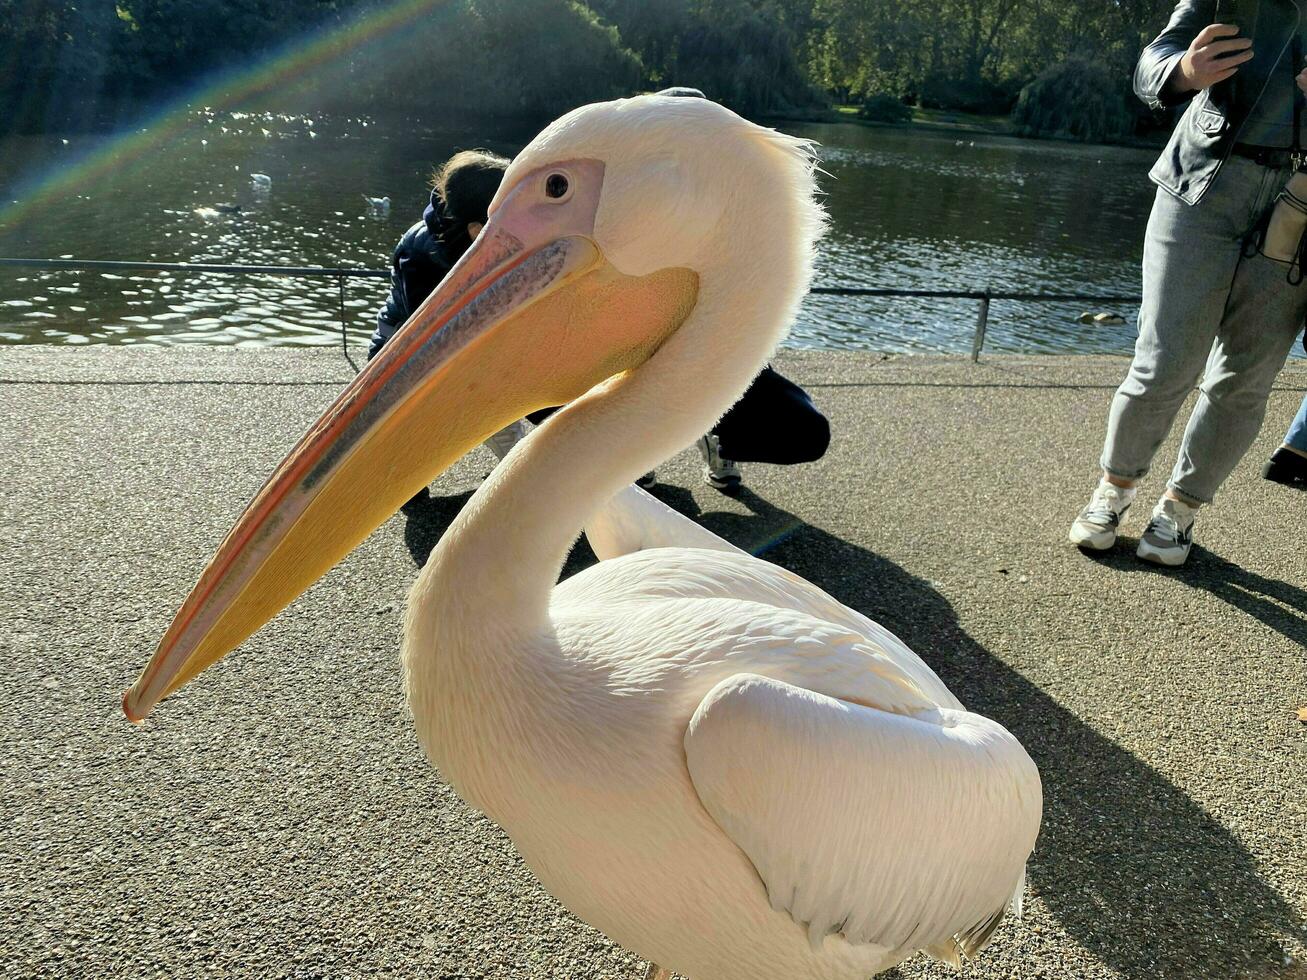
909,210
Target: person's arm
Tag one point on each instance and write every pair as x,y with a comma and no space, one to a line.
390,317
414,272
395,311
1191,54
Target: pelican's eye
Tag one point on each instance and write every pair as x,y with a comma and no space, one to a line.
556,186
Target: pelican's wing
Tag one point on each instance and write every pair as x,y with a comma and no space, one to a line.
906,832
800,617
636,521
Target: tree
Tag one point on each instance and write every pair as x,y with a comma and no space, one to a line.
542,57
83,63
52,55
740,52
1079,99
526,58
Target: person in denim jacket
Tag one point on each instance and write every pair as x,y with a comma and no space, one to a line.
1212,307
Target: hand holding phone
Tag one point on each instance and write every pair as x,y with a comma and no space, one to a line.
1213,56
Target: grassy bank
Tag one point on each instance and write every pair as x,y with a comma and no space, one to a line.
941,119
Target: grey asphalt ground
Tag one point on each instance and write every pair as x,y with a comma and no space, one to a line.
276,819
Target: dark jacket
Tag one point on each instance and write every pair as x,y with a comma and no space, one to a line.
1209,128
420,261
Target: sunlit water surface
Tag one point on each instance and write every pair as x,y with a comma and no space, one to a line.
912,210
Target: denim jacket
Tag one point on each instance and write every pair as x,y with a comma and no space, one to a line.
1202,139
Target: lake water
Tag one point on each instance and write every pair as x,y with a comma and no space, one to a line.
913,210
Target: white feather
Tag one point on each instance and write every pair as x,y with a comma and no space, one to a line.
633,520
843,809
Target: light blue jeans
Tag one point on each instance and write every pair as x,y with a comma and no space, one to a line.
1297,434
1208,312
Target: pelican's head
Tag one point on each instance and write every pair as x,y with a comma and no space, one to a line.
648,179
606,232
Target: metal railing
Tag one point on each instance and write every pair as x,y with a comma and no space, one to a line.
983,296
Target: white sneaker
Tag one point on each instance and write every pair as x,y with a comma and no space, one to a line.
720,474
1096,526
503,441
1167,538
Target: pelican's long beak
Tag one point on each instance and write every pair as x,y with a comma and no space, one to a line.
513,328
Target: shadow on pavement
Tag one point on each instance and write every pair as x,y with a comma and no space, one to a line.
1281,606
1129,865
426,519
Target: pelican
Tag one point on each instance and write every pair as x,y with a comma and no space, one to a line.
699,753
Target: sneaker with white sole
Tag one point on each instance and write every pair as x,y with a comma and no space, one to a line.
1167,538
719,473
1097,524
503,441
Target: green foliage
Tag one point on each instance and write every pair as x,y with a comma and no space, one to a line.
744,53
977,95
884,108
530,71
91,63
530,58
93,67
972,55
1078,99
50,53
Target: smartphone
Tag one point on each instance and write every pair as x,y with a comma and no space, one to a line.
1226,12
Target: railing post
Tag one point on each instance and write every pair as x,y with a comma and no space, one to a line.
982,323
344,322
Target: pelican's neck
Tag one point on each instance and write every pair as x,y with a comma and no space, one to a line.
505,550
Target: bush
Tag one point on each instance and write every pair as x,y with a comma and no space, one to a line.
748,65
885,109
746,54
959,95
539,58
1079,99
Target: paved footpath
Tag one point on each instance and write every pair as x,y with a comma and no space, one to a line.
277,819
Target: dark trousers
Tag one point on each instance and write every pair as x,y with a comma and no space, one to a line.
773,422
